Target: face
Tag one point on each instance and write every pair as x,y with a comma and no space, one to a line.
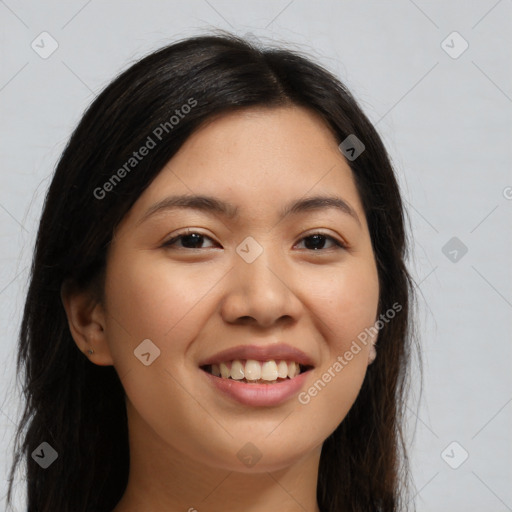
262,263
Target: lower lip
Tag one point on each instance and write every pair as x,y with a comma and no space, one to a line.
258,395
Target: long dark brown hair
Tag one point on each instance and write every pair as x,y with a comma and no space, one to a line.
79,407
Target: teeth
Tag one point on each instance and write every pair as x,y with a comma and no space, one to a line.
282,369
252,370
237,370
269,370
224,370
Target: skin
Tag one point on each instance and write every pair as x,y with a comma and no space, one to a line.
193,302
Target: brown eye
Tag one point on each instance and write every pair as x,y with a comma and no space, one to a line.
188,241
318,241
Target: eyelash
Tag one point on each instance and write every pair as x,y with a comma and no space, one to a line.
170,243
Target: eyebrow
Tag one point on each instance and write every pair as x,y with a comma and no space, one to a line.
213,205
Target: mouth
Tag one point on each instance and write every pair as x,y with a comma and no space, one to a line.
251,371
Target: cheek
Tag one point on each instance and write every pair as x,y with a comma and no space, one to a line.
346,302
154,298
345,305
156,301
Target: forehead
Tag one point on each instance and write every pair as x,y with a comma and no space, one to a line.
264,135
259,158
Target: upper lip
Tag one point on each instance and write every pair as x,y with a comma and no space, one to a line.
276,352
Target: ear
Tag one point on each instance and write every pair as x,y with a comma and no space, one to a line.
87,323
372,354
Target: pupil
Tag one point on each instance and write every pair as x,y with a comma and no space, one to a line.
318,242
193,239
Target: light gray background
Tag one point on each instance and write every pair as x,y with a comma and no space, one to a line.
446,122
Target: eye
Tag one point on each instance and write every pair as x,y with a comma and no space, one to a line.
195,240
317,241
189,240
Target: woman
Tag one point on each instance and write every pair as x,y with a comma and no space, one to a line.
220,253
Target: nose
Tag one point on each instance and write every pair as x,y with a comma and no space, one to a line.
260,293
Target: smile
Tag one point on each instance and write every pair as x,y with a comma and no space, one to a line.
256,372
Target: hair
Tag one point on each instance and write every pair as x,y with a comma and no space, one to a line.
79,407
